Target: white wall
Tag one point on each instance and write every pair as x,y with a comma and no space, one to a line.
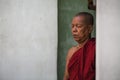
28,39
108,39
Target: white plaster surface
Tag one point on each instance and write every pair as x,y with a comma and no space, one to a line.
28,39
108,40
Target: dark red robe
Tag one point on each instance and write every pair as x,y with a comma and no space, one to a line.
82,63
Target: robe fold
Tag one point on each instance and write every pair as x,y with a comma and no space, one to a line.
82,63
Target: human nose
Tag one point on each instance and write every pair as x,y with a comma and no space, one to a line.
74,29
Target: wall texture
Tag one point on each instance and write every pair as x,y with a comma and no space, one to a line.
66,10
108,40
28,39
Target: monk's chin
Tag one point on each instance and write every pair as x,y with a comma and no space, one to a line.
79,40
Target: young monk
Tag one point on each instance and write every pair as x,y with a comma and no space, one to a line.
80,60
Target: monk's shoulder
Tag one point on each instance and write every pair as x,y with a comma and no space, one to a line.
91,43
70,52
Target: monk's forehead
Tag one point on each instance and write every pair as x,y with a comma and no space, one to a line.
79,19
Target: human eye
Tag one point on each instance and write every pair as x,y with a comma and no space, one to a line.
78,26
72,25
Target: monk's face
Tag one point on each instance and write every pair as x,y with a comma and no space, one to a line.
80,29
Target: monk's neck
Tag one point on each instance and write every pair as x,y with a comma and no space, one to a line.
82,44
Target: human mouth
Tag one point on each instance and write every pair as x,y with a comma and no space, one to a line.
75,36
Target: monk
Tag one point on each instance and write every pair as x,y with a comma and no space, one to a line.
80,60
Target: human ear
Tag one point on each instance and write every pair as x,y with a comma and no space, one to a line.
90,28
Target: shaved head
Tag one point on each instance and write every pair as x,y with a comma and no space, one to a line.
88,17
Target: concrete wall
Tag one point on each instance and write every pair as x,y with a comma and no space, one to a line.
108,40
28,39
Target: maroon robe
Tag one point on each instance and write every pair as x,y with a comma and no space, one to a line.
82,63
